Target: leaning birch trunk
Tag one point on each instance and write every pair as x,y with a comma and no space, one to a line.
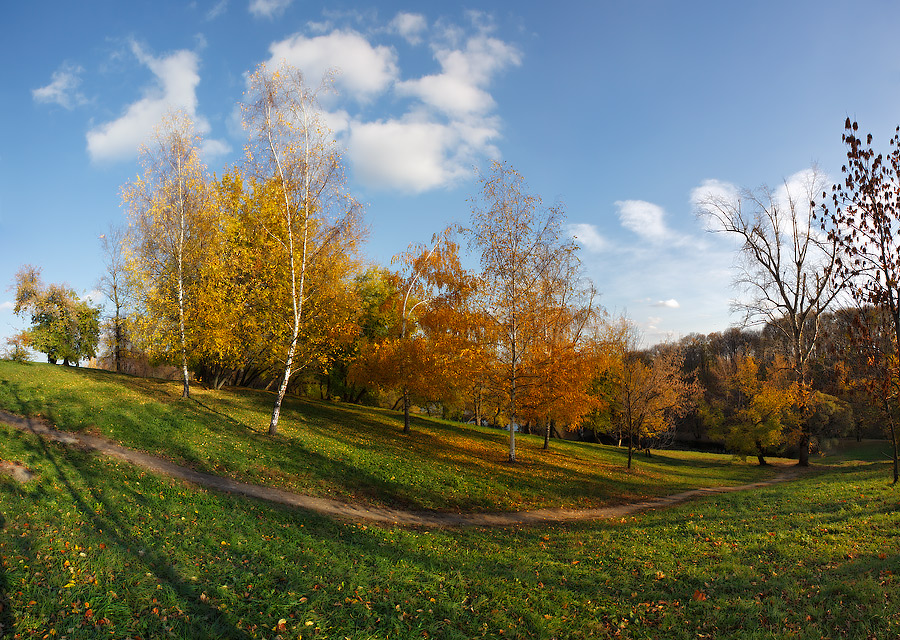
296,291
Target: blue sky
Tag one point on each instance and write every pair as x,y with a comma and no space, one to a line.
620,111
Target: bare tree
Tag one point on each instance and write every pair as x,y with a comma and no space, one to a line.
787,269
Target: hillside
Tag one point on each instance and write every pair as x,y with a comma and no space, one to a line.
95,548
351,453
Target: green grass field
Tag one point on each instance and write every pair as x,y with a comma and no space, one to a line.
95,548
351,453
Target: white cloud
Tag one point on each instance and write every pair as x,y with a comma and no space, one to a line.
63,88
460,89
713,190
268,8
337,121
93,296
588,236
671,303
364,69
453,95
218,9
210,149
409,156
176,83
449,123
709,193
802,187
644,218
410,26
7,306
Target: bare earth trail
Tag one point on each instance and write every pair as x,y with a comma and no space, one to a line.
352,512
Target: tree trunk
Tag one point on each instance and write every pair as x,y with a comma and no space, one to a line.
477,402
553,432
406,411
117,353
894,444
547,434
759,455
276,410
803,453
630,451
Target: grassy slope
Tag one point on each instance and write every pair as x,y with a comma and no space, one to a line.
350,453
93,548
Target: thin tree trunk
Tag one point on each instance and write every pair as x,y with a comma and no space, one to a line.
512,422
282,389
894,444
406,410
186,391
512,395
547,435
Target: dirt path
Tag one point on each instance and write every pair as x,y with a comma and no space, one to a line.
357,513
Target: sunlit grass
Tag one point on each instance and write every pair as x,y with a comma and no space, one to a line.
348,452
94,548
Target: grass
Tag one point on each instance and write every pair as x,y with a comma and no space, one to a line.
94,548
351,453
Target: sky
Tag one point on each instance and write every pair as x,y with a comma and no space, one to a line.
623,113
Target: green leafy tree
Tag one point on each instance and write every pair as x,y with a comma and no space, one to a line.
63,326
762,407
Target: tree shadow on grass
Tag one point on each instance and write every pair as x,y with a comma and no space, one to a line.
6,614
77,471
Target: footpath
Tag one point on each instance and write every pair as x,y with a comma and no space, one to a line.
342,510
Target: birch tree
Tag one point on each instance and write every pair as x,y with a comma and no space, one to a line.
557,360
170,219
292,151
518,239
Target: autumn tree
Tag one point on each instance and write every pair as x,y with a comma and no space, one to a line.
645,395
422,352
114,284
62,326
292,153
788,271
557,361
863,220
171,218
518,239
761,407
